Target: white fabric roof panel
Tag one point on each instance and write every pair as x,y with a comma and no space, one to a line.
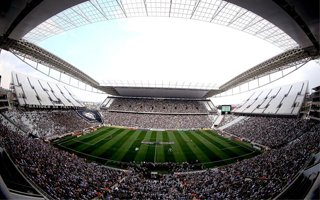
284,100
262,98
58,94
274,103
67,94
289,101
252,99
43,95
29,92
258,101
274,92
18,90
300,98
242,103
39,93
47,89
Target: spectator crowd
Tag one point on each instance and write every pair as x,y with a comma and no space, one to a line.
60,174
227,119
158,105
157,113
261,177
63,175
46,123
269,131
157,121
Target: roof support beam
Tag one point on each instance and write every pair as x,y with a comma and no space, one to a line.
145,6
120,4
237,16
100,10
298,19
251,23
37,54
29,7
280,62
218,10
82,14
170,8
195,8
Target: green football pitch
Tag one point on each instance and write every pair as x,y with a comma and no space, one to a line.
110,145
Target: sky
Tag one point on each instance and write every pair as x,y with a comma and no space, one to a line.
158,49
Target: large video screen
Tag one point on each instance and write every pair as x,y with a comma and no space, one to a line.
225,108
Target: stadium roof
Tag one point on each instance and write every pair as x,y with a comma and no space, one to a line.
160,90
284,23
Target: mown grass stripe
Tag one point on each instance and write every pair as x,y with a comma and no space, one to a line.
227,152
126,145
212,152
111,150
120,145
178,153
87,137
132,153
150,155
143,148
64,139
231,142
168,150
236,147
187,149
101,148
223,144
97,141
94,135
78,142
213,145
244,151
159,149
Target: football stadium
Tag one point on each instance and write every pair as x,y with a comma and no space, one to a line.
254,134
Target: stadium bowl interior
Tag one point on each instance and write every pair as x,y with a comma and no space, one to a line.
156,142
